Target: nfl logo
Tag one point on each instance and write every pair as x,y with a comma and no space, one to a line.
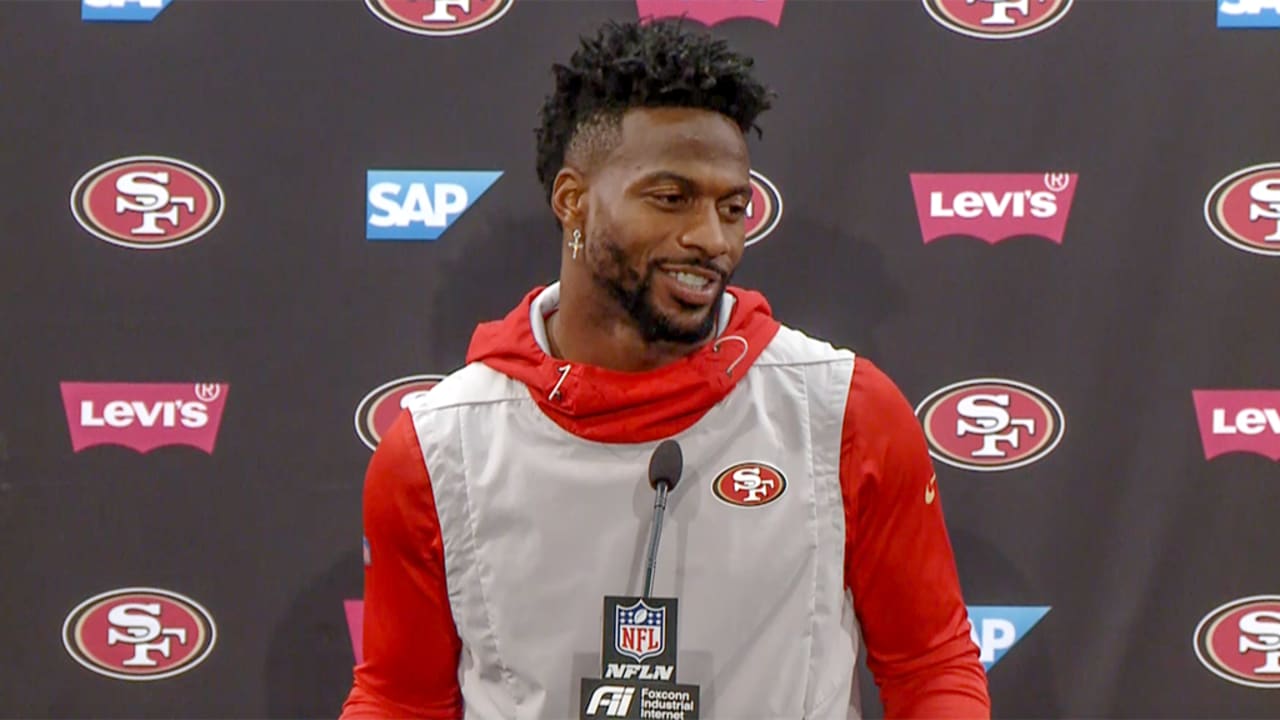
641,630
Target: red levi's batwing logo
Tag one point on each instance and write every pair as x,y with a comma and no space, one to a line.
710,12
1245,421
1240,641
440,18
993,206
354,610
997,19
1243,209
144,416
147,202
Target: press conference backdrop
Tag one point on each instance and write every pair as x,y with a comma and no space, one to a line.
238,232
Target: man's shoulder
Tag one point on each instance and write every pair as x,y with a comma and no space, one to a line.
792,346
472,384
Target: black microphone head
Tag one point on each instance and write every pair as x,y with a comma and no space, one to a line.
666,464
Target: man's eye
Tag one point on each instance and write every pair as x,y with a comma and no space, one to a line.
670,198
735,211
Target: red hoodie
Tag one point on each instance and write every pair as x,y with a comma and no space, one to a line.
899,564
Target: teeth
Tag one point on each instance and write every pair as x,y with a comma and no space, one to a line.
693,281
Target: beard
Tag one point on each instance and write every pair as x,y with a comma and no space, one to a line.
634,293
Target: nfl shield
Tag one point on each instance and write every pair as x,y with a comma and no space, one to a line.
641,630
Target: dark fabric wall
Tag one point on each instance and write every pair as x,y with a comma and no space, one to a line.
1113,531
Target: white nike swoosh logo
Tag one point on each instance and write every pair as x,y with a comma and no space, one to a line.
931,490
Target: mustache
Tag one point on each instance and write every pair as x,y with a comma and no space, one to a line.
697,262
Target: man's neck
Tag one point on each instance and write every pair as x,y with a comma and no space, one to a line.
590,330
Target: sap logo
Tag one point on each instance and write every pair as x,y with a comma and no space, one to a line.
995,629
1249,13
121,10
420,204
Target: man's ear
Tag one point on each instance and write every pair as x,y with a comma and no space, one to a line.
568,197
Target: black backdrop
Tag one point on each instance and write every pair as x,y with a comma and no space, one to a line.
1125,530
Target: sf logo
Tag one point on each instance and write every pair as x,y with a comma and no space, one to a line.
137,624
748,480
1265,195
1000,10
147,193
987,415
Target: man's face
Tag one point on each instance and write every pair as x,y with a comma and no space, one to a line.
667,222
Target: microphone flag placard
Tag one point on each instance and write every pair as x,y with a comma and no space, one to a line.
638,664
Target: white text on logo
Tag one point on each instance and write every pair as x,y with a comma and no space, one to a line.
146,193
990,420
618,697
140,628
748,480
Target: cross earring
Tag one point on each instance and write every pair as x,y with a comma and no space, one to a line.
576,243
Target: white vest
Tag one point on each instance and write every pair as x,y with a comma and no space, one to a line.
539,525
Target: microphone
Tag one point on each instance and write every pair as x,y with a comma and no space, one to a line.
664,472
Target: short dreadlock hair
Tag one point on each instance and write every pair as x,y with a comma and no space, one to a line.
641,64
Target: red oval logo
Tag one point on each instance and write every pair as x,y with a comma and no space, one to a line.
380,408
147,202
990,424
439,18
764,212
1240,641
1243,209
997,19
749,484
139,634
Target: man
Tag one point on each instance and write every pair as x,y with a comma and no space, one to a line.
505,503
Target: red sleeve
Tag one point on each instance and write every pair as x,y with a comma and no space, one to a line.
411,646
899,564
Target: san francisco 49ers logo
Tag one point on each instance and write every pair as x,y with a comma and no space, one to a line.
147,202
139,634
1243,209
380,408
439,17
1240,641
764,212
997,19
749,484
990,424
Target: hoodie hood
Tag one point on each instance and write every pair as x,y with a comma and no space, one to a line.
605,405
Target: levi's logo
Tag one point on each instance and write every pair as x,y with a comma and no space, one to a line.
710,12
993,206
144,416
1238,421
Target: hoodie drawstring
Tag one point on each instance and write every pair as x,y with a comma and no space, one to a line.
564,373
746,347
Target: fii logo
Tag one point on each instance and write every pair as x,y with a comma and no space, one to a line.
420,204
1249,13
121,10
995,629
